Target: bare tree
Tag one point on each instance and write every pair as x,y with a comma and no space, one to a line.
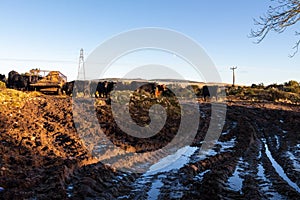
277,18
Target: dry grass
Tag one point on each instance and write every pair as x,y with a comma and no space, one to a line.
14,98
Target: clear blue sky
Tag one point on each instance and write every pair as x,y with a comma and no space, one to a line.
48,34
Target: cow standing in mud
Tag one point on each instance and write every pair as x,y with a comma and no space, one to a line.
154,89
104,88
148,88
210,91
16,81
67,88
3,79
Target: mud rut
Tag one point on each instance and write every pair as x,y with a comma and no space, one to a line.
256,157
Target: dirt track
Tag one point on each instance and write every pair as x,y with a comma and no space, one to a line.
256,157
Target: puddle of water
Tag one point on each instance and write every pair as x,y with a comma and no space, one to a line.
154,191
233,126
265,187
174,161
70,190
277,142
279,169
295,160
227,145
204,154
200,176
166,164
177,190
259,155
123,197
235,181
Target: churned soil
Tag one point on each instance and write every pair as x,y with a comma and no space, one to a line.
43,155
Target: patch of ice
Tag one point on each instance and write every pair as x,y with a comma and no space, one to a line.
235,181
279,169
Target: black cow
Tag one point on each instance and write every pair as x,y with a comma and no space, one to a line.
11,74
3,78
16,81
93,87
104,88
210,91
67,88
75,87
81,86
147,87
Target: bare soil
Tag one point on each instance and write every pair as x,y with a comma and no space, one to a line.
43,157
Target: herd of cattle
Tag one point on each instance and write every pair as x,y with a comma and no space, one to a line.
19,81
100,89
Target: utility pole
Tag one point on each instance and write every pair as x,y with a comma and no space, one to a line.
81,70
233,75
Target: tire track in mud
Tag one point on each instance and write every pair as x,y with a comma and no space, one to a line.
244,171
31,170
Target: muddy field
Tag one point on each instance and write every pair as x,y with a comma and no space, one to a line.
44,157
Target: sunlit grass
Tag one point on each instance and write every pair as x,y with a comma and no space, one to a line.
15,98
